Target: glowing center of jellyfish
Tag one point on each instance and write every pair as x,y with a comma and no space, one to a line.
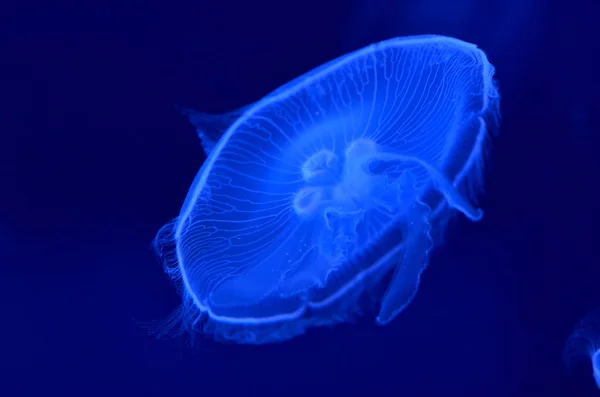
358,182
345,186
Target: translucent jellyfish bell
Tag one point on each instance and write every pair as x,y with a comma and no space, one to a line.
584,342
311,196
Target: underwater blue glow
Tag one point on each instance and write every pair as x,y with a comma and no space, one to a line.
584,342
312,195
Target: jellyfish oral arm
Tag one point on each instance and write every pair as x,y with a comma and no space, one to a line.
359,190
407,276
452,195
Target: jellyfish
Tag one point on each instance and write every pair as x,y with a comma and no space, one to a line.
584,342
328,190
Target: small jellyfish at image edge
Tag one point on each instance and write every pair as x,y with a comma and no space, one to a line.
324,195
584,343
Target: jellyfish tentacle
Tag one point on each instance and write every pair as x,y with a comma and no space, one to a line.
596,367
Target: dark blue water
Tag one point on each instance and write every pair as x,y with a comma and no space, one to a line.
96,159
